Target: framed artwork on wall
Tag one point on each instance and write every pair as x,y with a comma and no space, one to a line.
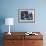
26,15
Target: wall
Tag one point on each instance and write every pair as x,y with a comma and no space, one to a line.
9,8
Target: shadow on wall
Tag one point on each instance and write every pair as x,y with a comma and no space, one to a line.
2,21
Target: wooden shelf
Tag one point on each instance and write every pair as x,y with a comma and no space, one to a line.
20,39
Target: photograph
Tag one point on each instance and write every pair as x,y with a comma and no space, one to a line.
26,15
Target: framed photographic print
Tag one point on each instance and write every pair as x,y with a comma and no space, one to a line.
26,15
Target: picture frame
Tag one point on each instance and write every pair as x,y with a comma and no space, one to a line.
26,15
